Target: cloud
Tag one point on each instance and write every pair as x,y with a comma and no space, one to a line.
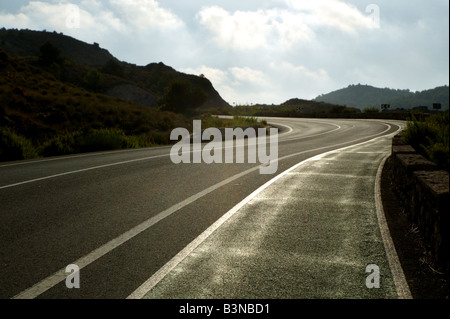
242,30
261,51
125,15
215,75
299,71
139,30
334,14
145,14
13,20
64,17
233,81
298,23
249,76
243,85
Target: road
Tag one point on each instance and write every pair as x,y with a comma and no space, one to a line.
122,216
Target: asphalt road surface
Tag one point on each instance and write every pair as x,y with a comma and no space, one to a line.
139,226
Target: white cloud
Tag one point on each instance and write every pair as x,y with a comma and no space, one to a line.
332,13
232,82
64,17
249,76
299,71
262,51
9,20
145,14
275,27
240,30
216,76
133,31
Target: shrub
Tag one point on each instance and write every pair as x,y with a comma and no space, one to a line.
49,53
93,80
159,138
101,140
181,97
89,141
430,138
60,145
15,147
371,110
114,68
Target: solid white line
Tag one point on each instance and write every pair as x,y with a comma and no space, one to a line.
290,129
142,290
396,268
60,275
65,157
81,170
314,135
94,167
163,271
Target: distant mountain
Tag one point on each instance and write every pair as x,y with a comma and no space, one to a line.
366,96
139,84
309,106
427,98
296,107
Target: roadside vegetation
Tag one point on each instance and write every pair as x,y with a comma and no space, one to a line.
294,108
430,137
43,115
209,120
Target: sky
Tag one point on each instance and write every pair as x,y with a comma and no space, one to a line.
265,51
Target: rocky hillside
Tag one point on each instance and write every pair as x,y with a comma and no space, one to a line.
144,85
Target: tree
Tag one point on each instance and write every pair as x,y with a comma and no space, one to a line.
93,80
4,58
181,97
49,54
114,68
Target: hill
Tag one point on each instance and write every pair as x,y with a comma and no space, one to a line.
143,85
39,112
62,96
295,107
366,96
426,98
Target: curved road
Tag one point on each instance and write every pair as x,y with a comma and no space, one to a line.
139,226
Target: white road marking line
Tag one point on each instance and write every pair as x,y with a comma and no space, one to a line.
99,166
81,170
396,268
142,290
290,129
92,154
60,275
65,157
314,135
163,271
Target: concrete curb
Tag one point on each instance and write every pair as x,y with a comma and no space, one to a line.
398,275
